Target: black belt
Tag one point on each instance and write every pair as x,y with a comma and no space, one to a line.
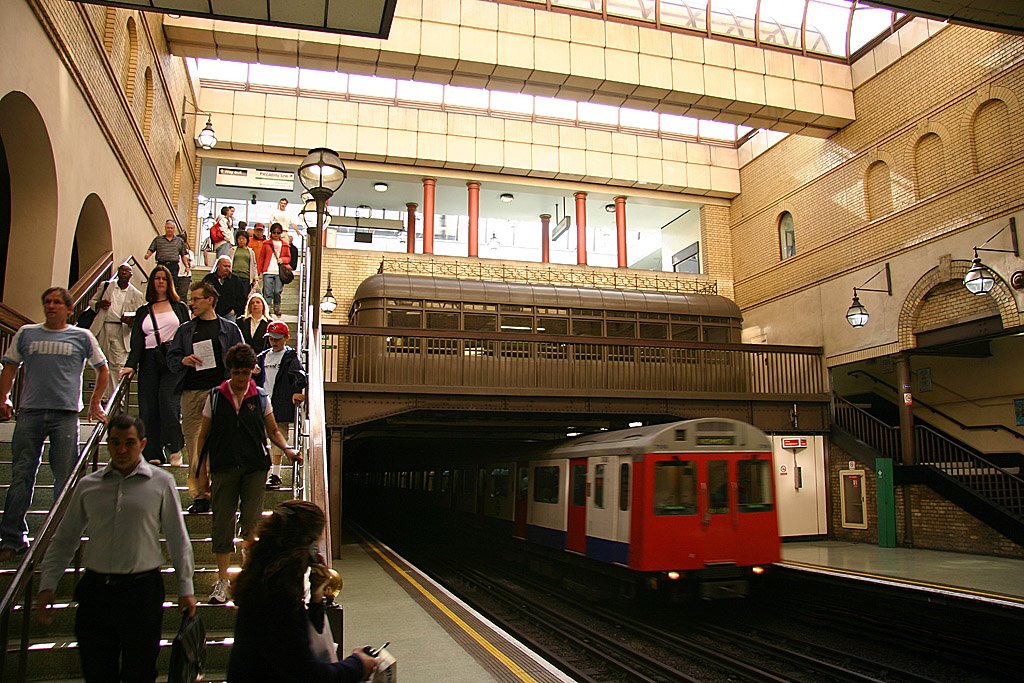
167,263
120,579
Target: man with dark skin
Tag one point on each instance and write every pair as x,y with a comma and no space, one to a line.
123,508
115,306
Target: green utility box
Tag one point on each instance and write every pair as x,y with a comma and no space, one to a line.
886,503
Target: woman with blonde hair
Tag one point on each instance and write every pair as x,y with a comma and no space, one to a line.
273,626
254,323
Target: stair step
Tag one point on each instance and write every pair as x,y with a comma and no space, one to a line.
202,580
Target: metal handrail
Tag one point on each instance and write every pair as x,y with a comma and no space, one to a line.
936,411
95,277
882,437
23,577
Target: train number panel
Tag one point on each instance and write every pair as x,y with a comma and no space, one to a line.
701,510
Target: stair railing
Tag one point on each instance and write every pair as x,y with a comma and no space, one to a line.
882,437
10,322
96,277
936,411
23,584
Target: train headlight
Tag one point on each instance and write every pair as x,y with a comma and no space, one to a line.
757,570
673,576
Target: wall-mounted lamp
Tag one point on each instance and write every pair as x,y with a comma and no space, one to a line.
328,303
380,187
980,279
506,197
857,315
207,138
610,208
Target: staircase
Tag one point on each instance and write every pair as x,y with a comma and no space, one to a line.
52,653
994,493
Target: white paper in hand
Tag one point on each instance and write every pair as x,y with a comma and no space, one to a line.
204,349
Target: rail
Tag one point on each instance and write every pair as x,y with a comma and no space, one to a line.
397,359
608,278
10,322
22,583
88,284
936,411
882,437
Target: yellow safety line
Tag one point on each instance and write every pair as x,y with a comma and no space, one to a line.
912,582
469,630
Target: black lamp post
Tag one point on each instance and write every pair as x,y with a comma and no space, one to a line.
322,173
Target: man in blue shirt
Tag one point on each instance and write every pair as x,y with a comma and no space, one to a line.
53,355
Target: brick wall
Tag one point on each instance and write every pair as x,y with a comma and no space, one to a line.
951,303
945,121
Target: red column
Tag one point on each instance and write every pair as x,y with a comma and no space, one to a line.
545,238
620,228
474,217
428,215
581,228
410,240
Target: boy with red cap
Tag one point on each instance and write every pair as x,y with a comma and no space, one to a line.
284,379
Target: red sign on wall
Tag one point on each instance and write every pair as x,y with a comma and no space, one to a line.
794,443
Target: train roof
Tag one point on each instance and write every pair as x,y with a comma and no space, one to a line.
402,286
701,434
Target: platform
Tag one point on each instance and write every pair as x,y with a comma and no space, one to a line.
433,635
976,576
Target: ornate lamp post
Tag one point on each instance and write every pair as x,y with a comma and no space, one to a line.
322,173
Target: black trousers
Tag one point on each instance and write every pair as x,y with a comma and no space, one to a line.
159,406
118,627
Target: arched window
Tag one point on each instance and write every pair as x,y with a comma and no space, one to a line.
991,135
131,56
878,189
176,184
109,22
930,164
787,236
147,116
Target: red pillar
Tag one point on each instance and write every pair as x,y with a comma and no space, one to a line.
410,240
545,238
620,228
474,217
428,215
581,228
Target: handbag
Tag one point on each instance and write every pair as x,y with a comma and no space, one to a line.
161,346
188,651
86,318
285,273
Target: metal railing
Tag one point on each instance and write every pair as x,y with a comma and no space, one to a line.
21,589
882,437
96,277
395,359
10,322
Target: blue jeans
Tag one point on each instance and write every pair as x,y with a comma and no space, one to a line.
272,289
32,428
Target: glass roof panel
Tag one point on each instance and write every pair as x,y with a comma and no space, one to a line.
734,18
279,76
514,102
779,22
217,70
555,108
324,81
869,22
827,23
691,14
416,91
635,9
371,86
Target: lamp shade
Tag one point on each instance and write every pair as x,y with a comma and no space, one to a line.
207,138
857,315
322,171
979,279
328,303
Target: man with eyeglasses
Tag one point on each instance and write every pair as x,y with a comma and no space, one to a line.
198,351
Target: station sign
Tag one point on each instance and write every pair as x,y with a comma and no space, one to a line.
795,442
234,176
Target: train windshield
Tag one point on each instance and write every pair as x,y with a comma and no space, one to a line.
675,488
755,485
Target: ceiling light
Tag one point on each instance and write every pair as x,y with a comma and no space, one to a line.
380,187
506,197
610,208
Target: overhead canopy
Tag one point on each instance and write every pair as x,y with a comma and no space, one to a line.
371,18
993,14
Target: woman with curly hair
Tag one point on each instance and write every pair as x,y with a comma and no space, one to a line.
273,628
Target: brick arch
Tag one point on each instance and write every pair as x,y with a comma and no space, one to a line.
938,276
975,103
878,189
109,26
147,115
131,59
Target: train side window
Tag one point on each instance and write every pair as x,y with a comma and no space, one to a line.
621,329
499,482
675,488
523,485
685,333
480,322
578,494
553,326
755,485
716,335
718,487
522,324
545,484
653,331
446,477
587,328
624,487
438,320
599,487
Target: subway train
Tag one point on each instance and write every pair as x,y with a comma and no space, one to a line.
683,508
481,333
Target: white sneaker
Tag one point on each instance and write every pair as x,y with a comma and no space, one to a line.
219,594
175,459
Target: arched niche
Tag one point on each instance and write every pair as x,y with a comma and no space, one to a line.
32,225
92,237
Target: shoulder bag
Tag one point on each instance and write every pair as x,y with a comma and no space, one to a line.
161,346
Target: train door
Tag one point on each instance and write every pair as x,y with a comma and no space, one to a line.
522,499
576,531
717,508
603,518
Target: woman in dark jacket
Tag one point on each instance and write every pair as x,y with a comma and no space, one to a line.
159,395
273,628
254,323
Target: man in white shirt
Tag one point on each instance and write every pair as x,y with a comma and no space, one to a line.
115,306
282,216
123,509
